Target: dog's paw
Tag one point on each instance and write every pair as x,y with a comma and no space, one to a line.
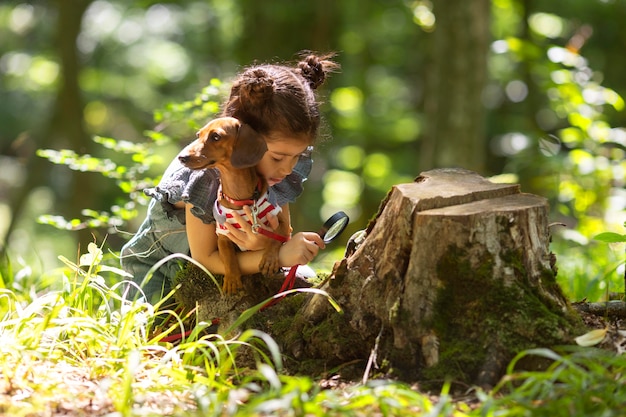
269,264
232,284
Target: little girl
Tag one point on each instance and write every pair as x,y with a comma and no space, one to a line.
277,101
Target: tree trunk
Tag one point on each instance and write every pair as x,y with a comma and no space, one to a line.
456,77
453,278
66,126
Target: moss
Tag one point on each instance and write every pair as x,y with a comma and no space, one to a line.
284,322
326,333
396,313
476,311
195,285
453,363
398,363
331,340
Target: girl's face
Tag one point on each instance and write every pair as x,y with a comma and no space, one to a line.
282,154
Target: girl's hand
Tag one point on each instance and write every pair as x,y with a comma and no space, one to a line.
244,236
300,249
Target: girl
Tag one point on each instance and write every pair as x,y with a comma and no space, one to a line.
277,101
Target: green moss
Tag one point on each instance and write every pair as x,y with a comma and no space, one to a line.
476,311
286,321
455,362
395,312
327,338
195,285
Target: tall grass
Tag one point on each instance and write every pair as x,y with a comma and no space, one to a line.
72,344
578,382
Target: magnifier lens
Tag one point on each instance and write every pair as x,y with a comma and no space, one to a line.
334,226
335,229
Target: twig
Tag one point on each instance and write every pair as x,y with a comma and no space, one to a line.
372,359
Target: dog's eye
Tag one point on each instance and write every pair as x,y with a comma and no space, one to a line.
214,136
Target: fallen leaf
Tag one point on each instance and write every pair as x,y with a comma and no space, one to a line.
591,338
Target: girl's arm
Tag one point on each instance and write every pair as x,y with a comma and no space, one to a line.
299,250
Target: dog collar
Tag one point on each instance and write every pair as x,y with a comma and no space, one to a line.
241,203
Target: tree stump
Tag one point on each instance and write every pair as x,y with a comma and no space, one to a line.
453,278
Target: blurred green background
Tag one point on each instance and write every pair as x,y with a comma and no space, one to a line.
521,91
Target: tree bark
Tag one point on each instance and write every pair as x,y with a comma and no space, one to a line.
453,278
456,77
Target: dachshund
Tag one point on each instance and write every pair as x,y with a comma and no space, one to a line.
234,148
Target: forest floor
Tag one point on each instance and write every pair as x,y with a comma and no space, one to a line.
40,387
615,339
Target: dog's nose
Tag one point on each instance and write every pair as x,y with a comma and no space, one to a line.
183,158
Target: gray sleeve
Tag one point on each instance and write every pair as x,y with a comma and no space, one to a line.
195,187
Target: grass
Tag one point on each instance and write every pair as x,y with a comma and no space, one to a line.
586,382
71,344
589,269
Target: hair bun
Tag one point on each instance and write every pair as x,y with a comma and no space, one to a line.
281,97
256,86
314,68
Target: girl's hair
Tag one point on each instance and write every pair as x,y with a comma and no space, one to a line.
281,98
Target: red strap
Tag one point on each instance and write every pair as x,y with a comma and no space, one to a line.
178,336
290,280
272,235
288,284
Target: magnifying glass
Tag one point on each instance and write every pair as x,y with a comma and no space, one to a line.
333,227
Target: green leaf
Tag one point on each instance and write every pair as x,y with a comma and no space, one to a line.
610,237
70,264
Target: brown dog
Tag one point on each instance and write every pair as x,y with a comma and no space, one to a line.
234,149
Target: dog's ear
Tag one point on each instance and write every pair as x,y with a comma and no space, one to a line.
248,149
